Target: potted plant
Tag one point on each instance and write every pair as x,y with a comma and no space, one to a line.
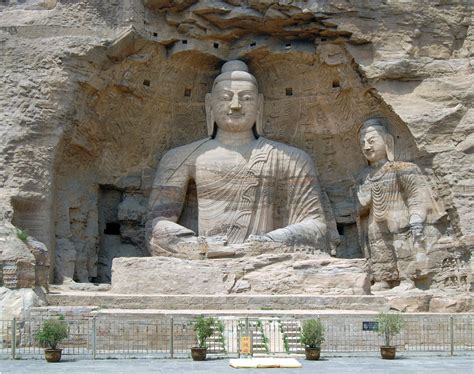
52,331
205,328
312,336
389,325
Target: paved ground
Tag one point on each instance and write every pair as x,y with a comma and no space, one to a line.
333,365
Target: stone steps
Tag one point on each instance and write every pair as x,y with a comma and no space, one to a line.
292,331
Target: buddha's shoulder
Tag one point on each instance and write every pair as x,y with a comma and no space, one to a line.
183,152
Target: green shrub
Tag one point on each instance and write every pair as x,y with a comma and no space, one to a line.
52,331
205,328
22,234
312,333
389,325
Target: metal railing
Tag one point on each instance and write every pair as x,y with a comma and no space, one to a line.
172,337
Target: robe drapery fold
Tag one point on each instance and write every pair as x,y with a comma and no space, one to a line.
275,187
388,200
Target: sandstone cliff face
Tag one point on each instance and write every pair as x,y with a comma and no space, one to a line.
95,92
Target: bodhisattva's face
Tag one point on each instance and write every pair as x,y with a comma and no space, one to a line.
373,145
234,105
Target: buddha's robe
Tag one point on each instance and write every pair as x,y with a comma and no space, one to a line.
387,201
272,192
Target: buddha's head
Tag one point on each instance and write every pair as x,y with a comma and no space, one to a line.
375,141
234,104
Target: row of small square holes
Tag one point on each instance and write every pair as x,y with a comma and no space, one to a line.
288,91
216,45
184,41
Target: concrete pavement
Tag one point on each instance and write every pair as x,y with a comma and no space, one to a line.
334,365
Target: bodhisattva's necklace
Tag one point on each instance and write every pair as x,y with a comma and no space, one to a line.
374,176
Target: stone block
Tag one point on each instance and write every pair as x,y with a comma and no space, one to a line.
264,274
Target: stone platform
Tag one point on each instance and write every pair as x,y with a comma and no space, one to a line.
412,301
218,302
276,272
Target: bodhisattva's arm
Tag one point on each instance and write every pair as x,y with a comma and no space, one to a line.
417,196
165,235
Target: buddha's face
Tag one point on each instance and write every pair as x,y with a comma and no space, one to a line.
372,142
234,105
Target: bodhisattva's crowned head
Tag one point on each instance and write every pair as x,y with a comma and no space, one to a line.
234,105
376,142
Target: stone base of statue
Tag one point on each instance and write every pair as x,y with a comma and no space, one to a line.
277,278
283,270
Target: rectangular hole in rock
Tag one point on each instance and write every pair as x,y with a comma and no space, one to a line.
112,228
289,91
288,45
155,34
187,92
253,44
146,82
335,84
184,41
216,45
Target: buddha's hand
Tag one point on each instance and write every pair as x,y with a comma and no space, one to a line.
172,239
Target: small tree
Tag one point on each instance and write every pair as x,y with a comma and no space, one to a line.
389,325
205,328
52,331
312,333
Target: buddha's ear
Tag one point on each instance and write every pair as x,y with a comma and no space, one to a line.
259,121
389,147
209,115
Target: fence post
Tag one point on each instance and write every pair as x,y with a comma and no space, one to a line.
14,338
94,337
172,337
451,335
249,334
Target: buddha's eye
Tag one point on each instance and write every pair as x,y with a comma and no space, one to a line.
225,97
246,98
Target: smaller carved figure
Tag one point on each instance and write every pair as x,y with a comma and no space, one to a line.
395,207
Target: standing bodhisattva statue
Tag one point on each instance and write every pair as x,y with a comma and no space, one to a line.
395,206
248,188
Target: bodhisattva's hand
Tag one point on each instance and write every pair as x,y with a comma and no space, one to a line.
416,229
364,196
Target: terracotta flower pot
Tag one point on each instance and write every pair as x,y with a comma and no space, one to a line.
198,354
52,355
312,353
388,352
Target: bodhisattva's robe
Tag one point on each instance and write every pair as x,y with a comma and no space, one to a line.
387,200
273,192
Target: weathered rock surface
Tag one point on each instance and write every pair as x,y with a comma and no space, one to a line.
17,303
94,93
24,261
264,274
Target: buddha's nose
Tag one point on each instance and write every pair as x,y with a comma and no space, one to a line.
235,104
